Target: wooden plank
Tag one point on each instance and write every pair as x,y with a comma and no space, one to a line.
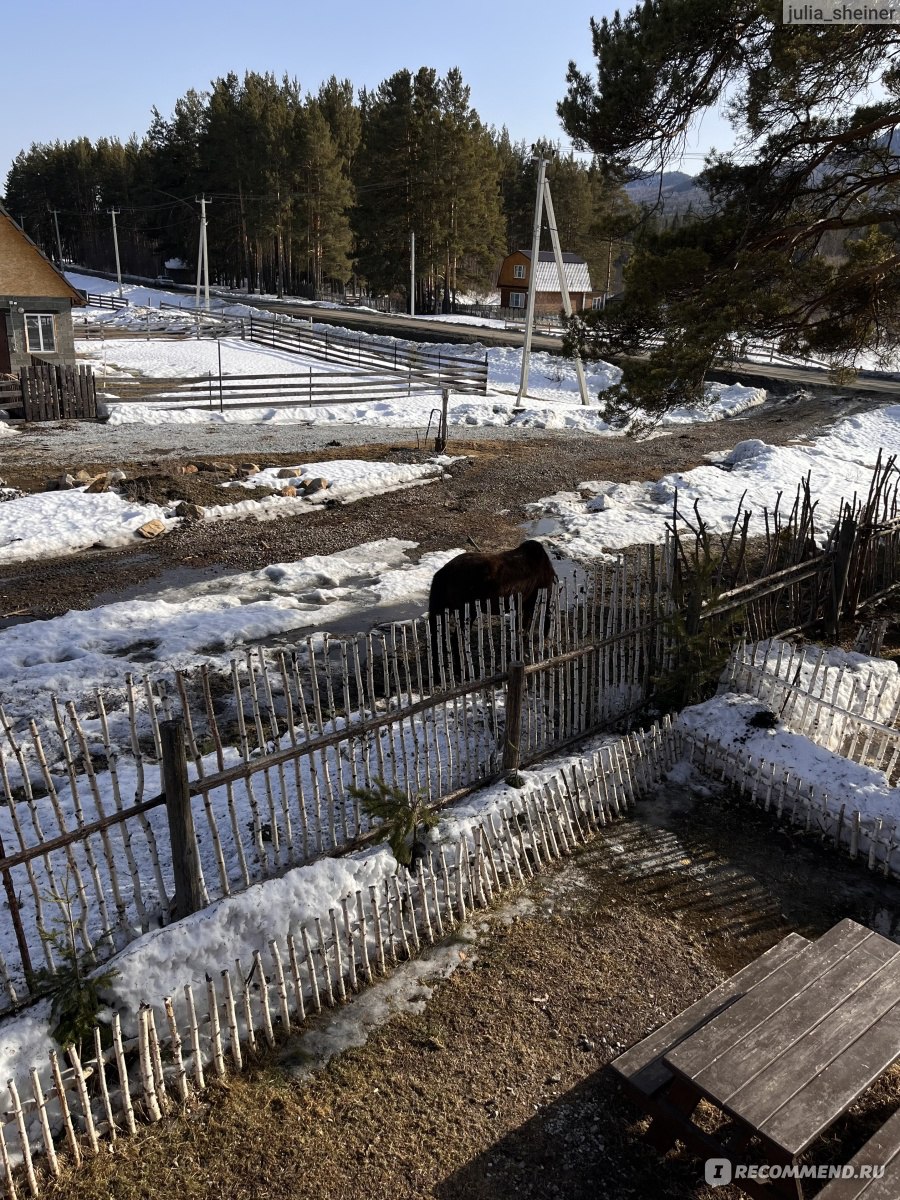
642,1066
697,1059
817,1082
882,1149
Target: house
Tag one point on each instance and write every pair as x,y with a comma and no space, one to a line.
515,273
35,304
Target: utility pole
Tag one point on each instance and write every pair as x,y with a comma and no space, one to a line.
412,273
58,242
532,280
563,285
202,258
112,213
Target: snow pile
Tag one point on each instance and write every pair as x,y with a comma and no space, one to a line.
603,515
51,523
820,773
782,675
47,524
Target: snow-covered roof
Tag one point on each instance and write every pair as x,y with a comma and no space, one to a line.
577,277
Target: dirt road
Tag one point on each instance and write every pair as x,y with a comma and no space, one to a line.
483,501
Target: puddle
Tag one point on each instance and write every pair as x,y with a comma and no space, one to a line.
172,579
542,527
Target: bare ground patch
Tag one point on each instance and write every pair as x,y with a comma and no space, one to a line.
498,1090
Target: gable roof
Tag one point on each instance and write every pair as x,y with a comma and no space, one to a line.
25,270
578,277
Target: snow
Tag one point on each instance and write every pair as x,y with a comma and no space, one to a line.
76,654
49,524
820,772
553,400
603,515
46,524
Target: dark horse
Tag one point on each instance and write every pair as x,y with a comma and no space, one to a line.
490,578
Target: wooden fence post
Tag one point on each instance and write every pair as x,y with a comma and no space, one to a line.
16,915
843,558
512,731
185,855
440,442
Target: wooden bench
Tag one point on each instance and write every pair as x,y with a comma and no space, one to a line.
642,1069
882,1149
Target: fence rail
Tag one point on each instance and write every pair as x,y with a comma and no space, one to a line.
309,388
441,369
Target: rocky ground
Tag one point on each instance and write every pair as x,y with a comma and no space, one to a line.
483,500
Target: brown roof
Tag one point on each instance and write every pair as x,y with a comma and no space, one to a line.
25,270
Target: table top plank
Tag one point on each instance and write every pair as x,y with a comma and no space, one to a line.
803,1115
840,994
642,1065
719,1036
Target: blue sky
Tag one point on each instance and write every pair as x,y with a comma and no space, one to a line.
102,67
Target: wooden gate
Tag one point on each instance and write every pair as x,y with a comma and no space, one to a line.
56,393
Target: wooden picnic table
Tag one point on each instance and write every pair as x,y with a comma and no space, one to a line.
783,1049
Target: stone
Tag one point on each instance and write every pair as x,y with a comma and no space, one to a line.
100,484
83,476
152,528
287,473
62,483
188,511
314,485
116,476
188,469
208,466
249,468
290,490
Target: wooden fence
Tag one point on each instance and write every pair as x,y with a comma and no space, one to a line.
440,369
299,389
274,743
148,1063
849,712
106,300
49,392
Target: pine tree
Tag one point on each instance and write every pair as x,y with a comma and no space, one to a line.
815,161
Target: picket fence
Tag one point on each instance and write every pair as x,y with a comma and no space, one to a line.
849,712
275,743
776,789
65,1109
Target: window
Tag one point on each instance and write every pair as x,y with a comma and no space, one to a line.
516,299
597,302
519,271
40,332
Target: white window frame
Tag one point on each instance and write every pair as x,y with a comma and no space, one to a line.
519,271
597,303
517,299
42,346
